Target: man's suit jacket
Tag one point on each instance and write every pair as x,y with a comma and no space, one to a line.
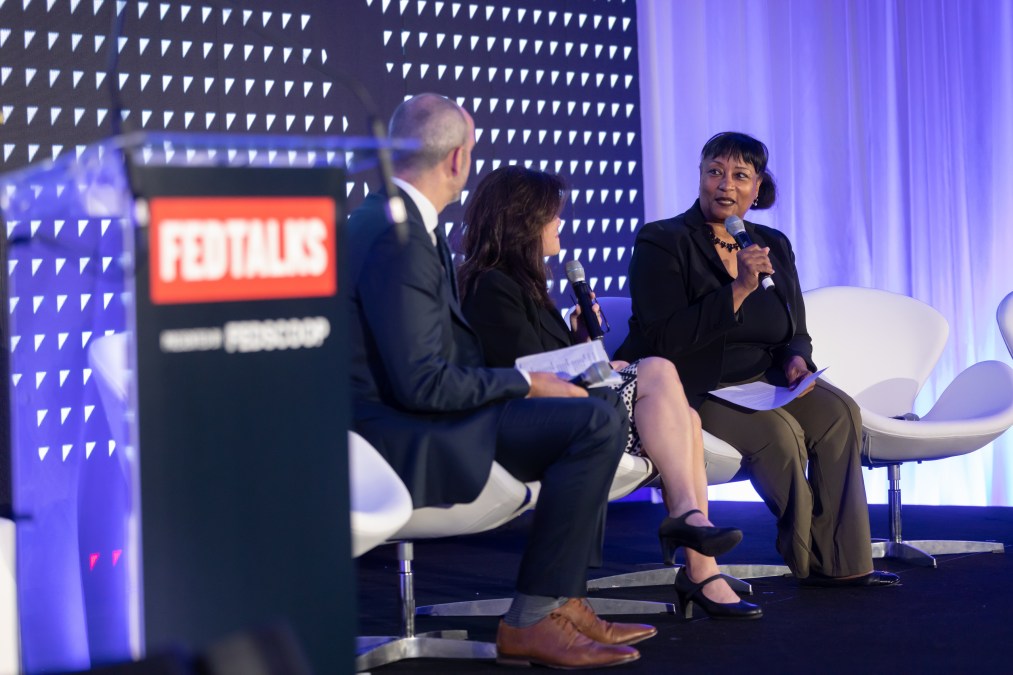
682,299
510,323
421,392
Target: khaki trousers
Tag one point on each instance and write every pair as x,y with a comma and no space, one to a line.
804,461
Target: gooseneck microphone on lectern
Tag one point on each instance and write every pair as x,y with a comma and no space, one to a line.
575,273
737,229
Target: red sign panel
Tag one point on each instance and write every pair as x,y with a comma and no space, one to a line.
217,249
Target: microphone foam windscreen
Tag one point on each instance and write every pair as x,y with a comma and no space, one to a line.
574,271
734,225
601,370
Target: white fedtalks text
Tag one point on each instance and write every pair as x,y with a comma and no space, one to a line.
208,249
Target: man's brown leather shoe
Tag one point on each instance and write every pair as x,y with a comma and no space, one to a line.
587,622
555,642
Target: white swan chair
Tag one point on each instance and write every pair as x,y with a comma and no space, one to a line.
10,643
880,348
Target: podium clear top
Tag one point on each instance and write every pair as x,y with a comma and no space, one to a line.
92,183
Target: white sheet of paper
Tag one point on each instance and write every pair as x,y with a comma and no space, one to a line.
763,396
569,362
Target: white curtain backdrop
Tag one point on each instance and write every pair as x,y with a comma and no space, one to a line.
890,129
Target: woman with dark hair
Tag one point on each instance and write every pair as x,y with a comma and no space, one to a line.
695,303
511,224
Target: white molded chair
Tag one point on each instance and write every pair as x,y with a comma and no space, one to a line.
1004,316
108,358
10,642
502,499
880,348
380,503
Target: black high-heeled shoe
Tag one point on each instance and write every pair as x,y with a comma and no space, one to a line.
704,539
689,593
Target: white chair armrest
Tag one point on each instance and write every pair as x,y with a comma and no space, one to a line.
633,472
722,461
380,503
502,499
975,409
983,392
10,652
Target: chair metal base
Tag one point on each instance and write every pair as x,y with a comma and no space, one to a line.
921,552
665,576
374,651
499,607
490,607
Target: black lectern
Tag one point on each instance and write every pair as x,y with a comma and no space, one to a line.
238,404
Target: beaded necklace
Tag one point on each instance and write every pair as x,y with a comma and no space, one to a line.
731,248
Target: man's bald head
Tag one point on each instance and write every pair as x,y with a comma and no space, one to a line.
438,125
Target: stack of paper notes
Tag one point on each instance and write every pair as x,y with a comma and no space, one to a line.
570,362
763,396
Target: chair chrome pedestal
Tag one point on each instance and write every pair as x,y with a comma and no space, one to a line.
499,607
375,651
920,552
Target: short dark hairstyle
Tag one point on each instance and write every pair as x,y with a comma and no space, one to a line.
748,149
503,223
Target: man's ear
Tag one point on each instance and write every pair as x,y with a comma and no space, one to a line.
456,159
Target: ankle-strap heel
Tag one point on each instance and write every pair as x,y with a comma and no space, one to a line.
689,593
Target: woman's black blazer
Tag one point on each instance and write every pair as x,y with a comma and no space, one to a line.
682,299
509,323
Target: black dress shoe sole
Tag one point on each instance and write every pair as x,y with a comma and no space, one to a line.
732,617
712,547
720,545
874,578
527,662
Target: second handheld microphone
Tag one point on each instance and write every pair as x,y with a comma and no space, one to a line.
575,273
737,229
594,374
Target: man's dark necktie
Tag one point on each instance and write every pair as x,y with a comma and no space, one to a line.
448,260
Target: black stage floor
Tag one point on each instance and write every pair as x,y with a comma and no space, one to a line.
955,618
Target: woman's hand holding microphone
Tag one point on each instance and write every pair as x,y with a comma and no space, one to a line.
577,326
751,262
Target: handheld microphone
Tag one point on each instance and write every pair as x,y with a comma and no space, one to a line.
575,273
593,374
737,229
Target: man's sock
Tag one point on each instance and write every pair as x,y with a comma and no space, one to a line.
527,610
